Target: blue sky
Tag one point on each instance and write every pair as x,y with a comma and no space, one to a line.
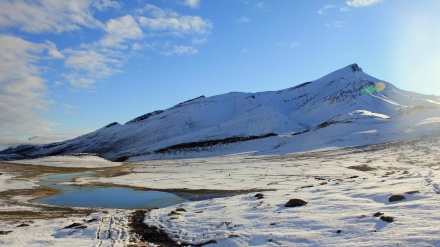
71,67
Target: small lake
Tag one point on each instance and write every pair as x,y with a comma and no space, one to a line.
106,197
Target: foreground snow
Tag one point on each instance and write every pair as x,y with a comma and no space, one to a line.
341,202
347,192
338,213
99,229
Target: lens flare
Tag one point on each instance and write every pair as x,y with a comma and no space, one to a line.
380,86
368,90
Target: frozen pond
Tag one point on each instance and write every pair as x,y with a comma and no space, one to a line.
107,197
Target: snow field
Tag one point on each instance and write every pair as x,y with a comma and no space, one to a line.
76,160
340,209
347,192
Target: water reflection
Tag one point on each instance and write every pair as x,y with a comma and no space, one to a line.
107,197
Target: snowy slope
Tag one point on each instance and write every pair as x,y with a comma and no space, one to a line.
344,108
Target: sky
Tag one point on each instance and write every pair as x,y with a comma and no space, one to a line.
70,67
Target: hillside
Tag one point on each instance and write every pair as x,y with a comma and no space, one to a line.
344,108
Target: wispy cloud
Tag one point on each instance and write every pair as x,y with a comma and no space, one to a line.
192,3
53,51
22,88
67,106
39,16
91,64
242,20
362,3
323,10
120,30
106,57
260,5
170,22
334,24
199,41
288,45
344,9
180,50
158,22
24,96
93,61
103,5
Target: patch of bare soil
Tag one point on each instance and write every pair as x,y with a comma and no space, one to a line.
148,234
22,210
145,233
363,168
32,171
30,211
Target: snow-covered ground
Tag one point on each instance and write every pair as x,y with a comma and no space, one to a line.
347,193
344,190
76,160
9,182
108,228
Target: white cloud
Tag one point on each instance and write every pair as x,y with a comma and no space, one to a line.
181,50
58,83
42,16
243,20
89,64
102,5
288,45
89,60
362,3
192,3
344,9
260,5
201,41
104,58
168,21
137,46
67,106
334,24
22,89
294,45
52,50
39,16
323,10
77,81
121,29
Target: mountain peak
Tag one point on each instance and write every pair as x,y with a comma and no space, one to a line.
347,71
354,67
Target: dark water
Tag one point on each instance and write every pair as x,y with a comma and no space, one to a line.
106,197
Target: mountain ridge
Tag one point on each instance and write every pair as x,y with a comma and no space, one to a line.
299,114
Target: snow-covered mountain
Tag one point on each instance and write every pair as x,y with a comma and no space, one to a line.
345,108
